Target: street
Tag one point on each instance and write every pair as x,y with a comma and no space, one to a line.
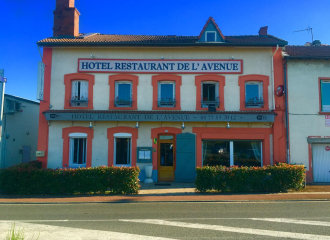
170,220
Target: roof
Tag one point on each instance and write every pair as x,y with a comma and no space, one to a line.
216,26
156,112
315,52
21,99
160,40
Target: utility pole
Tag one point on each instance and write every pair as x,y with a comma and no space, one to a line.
2,137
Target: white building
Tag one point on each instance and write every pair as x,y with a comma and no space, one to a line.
175,102
19,130
308,78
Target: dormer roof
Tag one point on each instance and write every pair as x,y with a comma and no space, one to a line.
211,25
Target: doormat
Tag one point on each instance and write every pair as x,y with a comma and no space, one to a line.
162,184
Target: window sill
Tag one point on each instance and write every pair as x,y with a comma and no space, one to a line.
77,166
122,165
324,113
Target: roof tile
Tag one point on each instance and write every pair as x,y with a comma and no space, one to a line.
307,51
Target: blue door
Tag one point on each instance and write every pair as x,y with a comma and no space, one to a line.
185,157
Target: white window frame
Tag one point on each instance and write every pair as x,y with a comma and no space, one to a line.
73,136
217,94
159,93
215,36
122,135
322,105
260,90
116,91
83,95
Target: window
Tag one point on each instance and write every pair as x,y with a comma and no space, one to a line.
79,95
78,149
122,146
166,94
210,36
253,94
122,149
210,94
77,146
13,106
123,91
325,95
78,91
228,153
123,97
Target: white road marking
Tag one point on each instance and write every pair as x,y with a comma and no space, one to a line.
48,232
252,231
288,220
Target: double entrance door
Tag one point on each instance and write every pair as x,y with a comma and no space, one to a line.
166,158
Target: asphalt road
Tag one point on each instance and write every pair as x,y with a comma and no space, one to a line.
173,220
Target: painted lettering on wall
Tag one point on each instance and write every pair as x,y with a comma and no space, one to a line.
160,66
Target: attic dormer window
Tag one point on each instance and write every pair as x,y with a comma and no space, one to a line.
210,36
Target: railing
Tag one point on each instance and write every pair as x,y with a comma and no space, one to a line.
254,104
167,103
123,103
79,103
210,103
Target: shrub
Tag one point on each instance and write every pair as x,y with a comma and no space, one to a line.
117,180
279,178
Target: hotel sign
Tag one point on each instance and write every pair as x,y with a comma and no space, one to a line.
160,117
159,66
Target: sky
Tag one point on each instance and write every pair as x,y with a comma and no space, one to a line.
24,22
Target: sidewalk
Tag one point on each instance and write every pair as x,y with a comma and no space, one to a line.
179,192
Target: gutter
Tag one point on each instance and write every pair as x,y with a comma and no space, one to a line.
281,44
286,111
273,78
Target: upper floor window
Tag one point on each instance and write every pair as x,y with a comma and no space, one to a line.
210,94
123,91
325,95
166,94
13,106
79,95
123,96
78,149
210,36
78,91
253,94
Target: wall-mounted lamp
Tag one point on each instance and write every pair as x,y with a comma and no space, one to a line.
137,125
90,125
182,126
228,125
162,58
92,56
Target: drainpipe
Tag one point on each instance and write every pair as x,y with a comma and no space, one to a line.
273,77
286,111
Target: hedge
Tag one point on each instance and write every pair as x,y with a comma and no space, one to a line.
22,180
279,178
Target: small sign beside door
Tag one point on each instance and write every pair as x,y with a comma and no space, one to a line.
327,120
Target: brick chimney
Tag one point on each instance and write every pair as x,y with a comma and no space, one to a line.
263,30
66,19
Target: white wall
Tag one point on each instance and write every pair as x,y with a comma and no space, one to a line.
20,129
304,117
65,60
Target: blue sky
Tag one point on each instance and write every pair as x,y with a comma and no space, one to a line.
24,22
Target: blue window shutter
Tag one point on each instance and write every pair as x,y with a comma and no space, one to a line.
124,91
251,92
166,92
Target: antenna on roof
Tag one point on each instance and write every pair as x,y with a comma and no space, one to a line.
308,29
